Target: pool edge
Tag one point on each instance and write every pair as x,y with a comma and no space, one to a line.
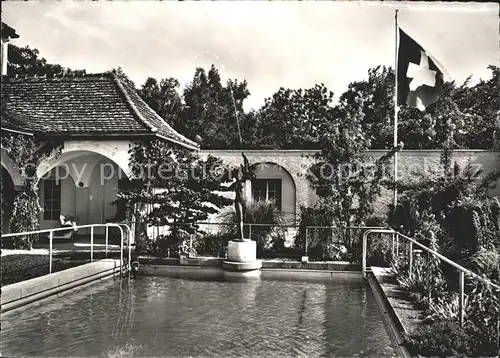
391,320
47,286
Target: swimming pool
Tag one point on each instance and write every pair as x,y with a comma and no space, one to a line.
190,315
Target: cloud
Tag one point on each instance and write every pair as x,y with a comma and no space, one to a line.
270,44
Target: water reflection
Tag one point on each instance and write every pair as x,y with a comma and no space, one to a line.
193,316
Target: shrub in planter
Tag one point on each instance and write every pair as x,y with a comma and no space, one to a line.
257,212
210,244
164,246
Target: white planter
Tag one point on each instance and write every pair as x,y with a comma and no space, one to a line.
242,251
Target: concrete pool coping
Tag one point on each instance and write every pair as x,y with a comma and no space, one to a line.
402,314
266,263
410,317
26,292
396,313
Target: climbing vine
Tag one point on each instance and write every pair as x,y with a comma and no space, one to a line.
27,152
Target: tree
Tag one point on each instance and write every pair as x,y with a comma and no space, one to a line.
480,104
180,188
471,112
163,98
122,76
376,97
26,61
341,176
210,109
293,119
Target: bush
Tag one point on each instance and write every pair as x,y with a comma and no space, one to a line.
447,338
379,246
442,339
321,243
169,245
17,268
211,245
487,263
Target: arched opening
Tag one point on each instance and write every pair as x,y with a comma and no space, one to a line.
273,182
82,184
8,195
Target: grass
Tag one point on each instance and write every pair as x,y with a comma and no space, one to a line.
21,267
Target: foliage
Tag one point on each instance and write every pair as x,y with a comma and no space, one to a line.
322,244
446,338
21,267
211,244
487,264
379,248
452,213
210,109
374,97
472,112
268,238
27,152
122,76
454,206
26,61
480,104
164,99
179,188
346,180
295,118
478,337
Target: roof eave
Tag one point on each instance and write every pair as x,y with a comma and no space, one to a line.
185,145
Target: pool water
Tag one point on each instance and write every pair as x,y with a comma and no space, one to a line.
185,316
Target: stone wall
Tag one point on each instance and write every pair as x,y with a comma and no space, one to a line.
297,162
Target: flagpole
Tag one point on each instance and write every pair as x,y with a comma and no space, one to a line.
395,199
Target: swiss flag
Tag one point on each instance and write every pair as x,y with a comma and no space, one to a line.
420,76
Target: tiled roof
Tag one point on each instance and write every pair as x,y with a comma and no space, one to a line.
8,31
98,104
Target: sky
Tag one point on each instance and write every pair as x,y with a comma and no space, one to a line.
270,44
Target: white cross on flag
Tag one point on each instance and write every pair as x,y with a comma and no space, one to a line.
420,77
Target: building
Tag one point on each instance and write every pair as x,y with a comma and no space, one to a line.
98,117
281,174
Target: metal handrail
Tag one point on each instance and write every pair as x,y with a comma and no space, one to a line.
461,270
450,262
250,225
129,244
266,225
91,226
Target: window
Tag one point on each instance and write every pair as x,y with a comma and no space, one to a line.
51,199
267,189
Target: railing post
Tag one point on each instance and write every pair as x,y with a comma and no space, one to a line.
397,245
461,298
91,243
305,244
410,258
107,238
393,244
190,244
51,233
121,253
363,254
129,249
